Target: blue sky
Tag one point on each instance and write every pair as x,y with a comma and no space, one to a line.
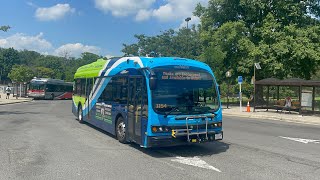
99,26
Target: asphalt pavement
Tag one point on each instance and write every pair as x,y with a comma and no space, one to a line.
42,140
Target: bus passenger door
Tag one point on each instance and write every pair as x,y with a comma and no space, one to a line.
135,108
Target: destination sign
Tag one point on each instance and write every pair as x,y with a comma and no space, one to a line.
181,75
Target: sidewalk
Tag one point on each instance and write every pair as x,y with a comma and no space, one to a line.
12,99
293,117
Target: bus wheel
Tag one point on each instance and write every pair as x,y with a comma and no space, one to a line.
80,115
121,130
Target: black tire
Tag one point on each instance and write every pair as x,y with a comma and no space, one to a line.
80,114
121,130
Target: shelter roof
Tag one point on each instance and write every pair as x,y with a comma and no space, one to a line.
288,82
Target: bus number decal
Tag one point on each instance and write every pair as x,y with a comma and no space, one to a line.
161,106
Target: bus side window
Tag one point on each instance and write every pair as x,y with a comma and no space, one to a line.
69,88
83,87
78,87
49,88
119,90
89,86
106,95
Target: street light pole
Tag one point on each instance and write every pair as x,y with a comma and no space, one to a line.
255,65
228,74
187,20
254,88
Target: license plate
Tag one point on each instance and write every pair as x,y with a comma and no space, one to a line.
218,136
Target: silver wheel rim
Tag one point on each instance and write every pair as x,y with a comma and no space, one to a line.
121,130
80,115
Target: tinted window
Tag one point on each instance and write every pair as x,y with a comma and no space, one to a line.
190,91
116,90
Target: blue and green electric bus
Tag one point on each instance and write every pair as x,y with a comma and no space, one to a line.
151,101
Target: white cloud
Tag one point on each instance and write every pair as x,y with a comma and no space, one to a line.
75,50
37,43
175,9
53,13
164,13
21,41
108,56
171,10
123,7
143,15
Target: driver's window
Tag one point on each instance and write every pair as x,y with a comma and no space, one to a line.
211,97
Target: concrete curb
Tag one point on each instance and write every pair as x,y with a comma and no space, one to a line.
22,101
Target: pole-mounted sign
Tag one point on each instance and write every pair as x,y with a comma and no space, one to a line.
240,93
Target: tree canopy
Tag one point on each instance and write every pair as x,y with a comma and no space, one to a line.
16,65
4,28
283,36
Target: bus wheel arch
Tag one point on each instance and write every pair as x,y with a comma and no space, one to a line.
120,129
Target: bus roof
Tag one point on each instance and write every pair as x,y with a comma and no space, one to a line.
103,67
48,81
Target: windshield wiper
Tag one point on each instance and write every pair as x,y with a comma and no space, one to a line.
173,109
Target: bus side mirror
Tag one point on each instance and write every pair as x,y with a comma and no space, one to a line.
153,82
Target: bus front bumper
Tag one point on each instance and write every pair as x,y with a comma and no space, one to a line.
164,141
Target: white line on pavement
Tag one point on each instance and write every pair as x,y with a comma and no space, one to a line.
191,161
194,161
305,141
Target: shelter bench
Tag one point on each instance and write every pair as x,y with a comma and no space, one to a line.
295,106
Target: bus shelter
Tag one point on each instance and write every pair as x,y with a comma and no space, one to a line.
272,93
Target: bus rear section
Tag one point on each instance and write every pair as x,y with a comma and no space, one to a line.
165,105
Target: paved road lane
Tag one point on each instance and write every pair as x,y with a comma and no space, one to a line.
42,140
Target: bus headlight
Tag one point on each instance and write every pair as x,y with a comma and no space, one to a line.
219,124
160,129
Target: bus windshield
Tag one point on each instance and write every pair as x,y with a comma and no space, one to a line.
36,86
184,92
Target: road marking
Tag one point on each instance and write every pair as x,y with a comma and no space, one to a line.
194,161
305,141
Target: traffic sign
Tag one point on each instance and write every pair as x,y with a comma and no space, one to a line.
240,79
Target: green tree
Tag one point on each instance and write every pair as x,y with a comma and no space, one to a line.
181,43
8,57
29,57
43,72
4,28
281,35
88,57
21,73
